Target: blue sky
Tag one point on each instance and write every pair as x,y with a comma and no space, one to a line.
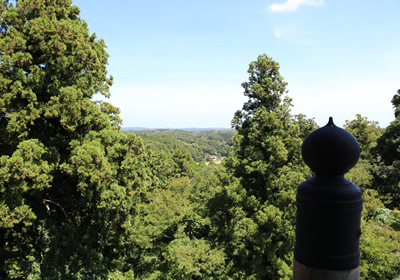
181,63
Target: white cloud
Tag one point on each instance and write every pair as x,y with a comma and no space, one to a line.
292,5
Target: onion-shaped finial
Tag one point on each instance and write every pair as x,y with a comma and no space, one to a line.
330,150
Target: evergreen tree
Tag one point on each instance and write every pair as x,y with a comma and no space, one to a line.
186,166
71,182
388,145
367,133
266,158
379,242
387,178
171,233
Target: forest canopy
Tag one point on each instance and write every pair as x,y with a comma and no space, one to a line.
200,144
80,199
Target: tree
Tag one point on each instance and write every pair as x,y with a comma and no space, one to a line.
379,243
186,166
266,158
388,145
170,233
396,104
387,177
50,69
71,182
367,133
268,136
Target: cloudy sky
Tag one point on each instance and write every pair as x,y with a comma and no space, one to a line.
180,63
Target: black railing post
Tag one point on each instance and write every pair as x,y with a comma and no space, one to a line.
328,208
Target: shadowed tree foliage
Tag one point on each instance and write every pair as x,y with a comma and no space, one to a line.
388,145
387,179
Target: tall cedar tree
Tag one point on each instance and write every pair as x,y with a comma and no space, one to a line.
266,158
70,181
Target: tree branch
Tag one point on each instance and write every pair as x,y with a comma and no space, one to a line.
48,200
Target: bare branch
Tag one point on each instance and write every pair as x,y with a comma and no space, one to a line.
48,200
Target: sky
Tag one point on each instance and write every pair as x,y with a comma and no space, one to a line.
180,63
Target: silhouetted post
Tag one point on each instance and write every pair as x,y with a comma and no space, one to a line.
328,208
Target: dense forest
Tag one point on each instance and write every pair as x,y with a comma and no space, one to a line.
199,143
79,199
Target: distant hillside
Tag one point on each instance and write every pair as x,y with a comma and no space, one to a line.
169,128
199,142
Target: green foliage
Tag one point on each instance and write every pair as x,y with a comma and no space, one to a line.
366,132
388,145
371,172
371,204
380,248
380,251
71,182
81,200
184,162
387,183
201,165
362,174
170,235
396,104
266,158
387,177
198,143
191,259
50,68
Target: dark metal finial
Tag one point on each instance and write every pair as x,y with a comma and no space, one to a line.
330,123
329,206
330,150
